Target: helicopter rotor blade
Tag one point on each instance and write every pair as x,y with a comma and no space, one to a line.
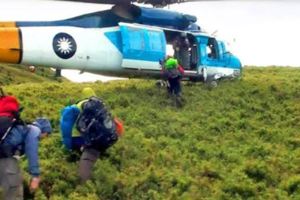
155,3
101,1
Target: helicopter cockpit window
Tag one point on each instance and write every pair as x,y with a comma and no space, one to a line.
156,43
211,49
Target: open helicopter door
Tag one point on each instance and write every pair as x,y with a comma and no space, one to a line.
143,46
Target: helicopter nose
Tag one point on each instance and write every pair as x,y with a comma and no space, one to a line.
10,45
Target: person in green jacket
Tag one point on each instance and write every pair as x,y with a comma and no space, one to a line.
173,74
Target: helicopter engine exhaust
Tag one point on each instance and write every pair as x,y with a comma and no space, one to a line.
129,11
154,16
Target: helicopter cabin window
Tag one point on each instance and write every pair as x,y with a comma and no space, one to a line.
145,40
211,48
136,38
155,40
142,47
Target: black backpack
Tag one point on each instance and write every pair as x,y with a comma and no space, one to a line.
96,125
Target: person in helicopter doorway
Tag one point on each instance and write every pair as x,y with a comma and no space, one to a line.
97,128
173,72
181,46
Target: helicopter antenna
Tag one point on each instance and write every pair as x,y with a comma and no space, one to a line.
214,33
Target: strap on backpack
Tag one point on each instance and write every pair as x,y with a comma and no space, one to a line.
8,129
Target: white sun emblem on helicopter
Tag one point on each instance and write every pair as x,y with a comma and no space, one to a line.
64,45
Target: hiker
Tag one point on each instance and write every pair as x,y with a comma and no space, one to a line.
98,130
173,72
18,138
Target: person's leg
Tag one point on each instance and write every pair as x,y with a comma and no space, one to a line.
172,83
178,97
169,87
11,179
177,86
86,163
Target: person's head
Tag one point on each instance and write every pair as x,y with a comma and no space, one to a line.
183,34
44,125
87,92
168,56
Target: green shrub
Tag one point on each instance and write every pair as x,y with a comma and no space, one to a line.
239,140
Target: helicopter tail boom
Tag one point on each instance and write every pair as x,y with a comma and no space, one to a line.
60,47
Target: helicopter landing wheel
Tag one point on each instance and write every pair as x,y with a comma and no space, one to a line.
161,84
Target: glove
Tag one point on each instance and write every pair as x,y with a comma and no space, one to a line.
34,183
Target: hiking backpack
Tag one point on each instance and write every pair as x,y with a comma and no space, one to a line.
96,125
9,114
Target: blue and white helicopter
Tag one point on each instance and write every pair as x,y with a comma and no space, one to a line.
125,41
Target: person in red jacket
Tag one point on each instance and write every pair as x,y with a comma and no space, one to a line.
16,139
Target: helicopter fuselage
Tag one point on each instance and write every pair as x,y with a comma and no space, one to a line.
125,49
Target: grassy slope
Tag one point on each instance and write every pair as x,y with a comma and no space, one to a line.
16,74
237,141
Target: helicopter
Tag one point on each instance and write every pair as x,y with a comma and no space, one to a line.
126,40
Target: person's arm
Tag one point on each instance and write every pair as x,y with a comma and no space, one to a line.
68,118
31,150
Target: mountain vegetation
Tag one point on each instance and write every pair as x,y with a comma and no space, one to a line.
240,140
16,74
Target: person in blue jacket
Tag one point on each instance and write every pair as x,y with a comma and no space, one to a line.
90,151
68,119
21,139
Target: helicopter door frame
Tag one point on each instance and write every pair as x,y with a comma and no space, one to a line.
173,35
142,46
